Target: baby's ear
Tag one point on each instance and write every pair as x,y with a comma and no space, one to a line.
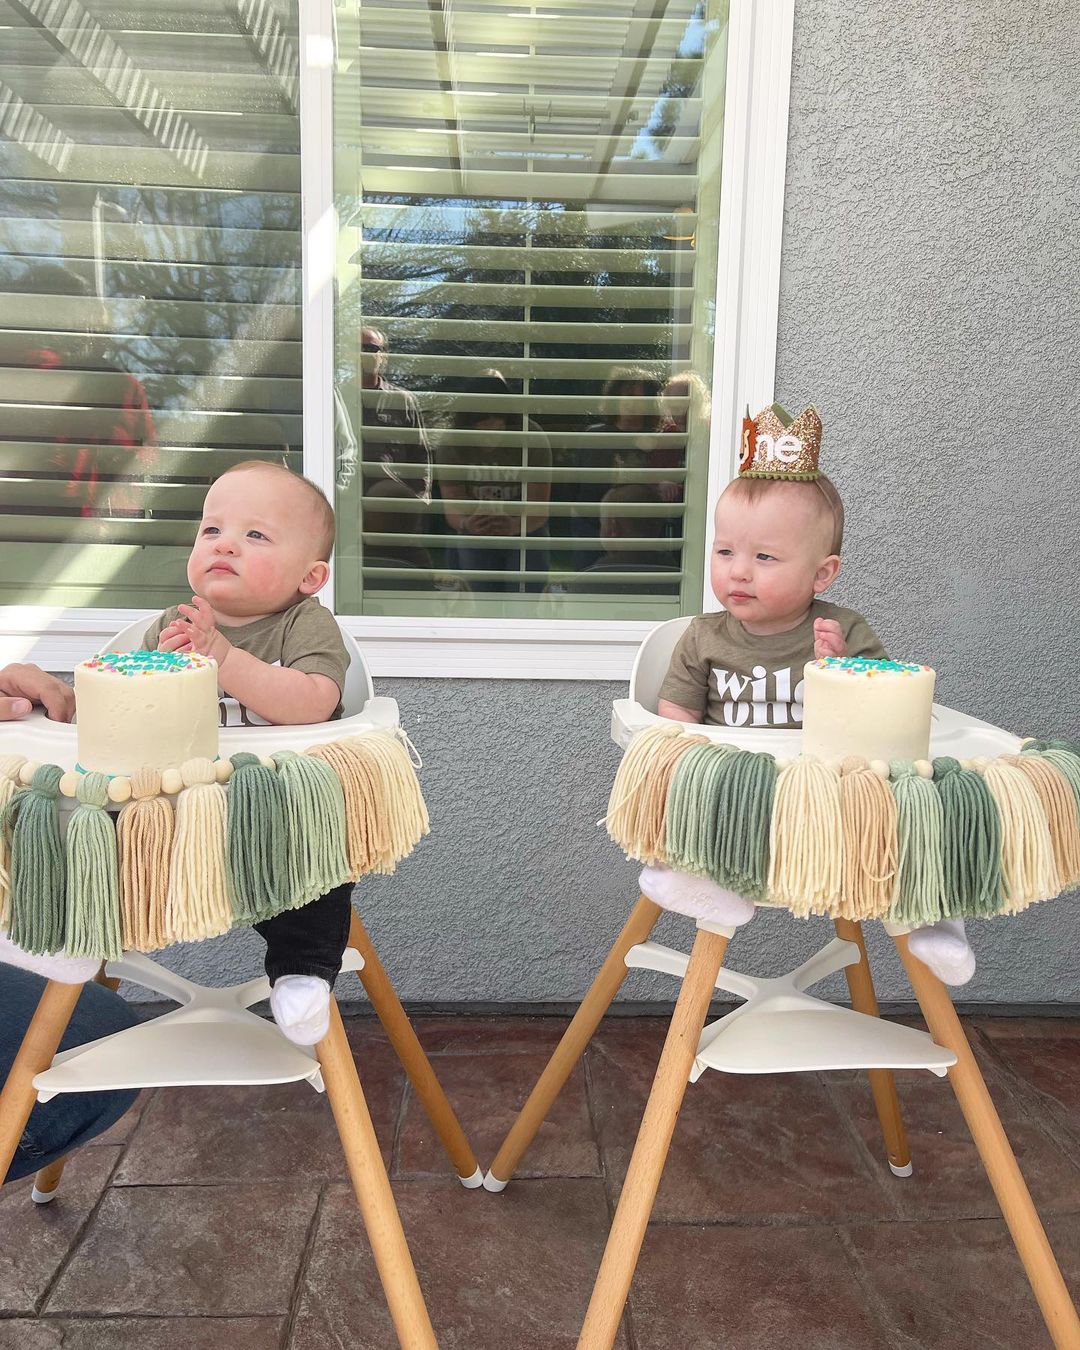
315,578
826,573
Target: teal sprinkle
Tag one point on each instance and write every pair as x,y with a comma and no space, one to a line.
145,662
865,665
37,864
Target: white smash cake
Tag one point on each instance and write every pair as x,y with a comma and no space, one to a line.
877,709
141,709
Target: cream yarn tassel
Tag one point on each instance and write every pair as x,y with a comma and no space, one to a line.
868,817
197,904
806,838
144,833
1027,851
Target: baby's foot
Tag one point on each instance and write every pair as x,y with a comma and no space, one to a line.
63,969
944,949
696,897
301,1008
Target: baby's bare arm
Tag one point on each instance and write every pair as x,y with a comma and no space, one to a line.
279,694
675,713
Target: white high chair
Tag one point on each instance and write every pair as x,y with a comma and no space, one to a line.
214,1039
779,1028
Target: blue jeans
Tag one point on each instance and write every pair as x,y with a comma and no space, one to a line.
58,1126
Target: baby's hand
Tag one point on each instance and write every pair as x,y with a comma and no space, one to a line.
175,637
828,639
201,630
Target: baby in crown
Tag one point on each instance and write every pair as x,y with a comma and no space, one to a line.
778,533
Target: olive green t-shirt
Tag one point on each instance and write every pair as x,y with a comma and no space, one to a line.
741,679
303,637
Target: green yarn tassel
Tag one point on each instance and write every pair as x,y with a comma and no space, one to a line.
920,823
37,864
256,841
744,799
315,815
971,838
691,819
93,882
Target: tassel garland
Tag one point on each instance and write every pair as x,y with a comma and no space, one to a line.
92,921
198,904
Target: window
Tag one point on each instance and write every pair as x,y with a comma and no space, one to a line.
528,198
149,282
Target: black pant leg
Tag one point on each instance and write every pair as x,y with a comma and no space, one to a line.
310,940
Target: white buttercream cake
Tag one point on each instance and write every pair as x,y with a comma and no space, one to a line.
853,705
145,709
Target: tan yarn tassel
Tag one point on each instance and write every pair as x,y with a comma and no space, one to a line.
637,808
9,785
144,835
1059,806
385,814
197,904
870,851
1027,852
806,839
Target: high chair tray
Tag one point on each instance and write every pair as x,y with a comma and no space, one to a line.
951,733
57,742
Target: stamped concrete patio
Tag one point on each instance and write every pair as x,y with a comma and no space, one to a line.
224,1218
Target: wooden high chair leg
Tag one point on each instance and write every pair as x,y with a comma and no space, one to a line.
403,1038
882,1083
653,1141
372,1187
997,1156
47,1026
47,1180
578,1034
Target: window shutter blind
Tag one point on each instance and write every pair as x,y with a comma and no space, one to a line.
528,198
149,282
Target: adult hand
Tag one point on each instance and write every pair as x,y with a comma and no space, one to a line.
484,522
828,639
21,686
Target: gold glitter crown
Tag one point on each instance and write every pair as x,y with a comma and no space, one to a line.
776,445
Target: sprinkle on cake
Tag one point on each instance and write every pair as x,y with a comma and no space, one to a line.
147,663
865,665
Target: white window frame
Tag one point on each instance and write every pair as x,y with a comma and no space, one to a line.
760,37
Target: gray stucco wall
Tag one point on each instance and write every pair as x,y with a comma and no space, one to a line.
929,307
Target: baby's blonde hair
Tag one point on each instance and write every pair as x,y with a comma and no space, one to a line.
323,510
821,494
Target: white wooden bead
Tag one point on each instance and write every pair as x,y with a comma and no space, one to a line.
119,790
26,773
171,781
880,767
69,784
268,761
223,770
924,768
782,764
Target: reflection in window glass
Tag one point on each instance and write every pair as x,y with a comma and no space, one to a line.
149,282
528,198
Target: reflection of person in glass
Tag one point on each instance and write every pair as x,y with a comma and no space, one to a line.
387,408
686,404
616,525
637,426
478,480
109,411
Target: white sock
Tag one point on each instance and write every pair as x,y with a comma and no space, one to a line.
63,969
944,949
696,897
301,1007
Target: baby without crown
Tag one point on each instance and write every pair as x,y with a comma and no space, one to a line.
260,558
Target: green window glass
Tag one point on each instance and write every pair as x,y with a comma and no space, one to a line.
528,198
149,282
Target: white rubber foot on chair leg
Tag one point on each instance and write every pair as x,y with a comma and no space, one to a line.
471,1183
904,1171
43,1197
492,1183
